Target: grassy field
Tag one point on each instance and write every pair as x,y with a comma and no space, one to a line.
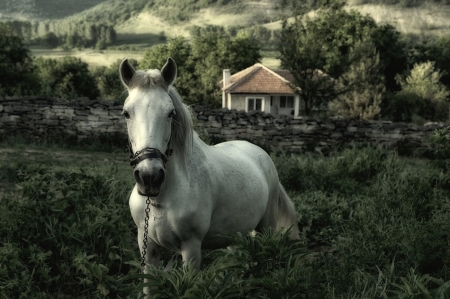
373,225
94,58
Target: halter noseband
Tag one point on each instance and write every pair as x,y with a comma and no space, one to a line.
148,153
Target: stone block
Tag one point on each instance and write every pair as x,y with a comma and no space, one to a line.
92,117
82,112
329,126
21,108
213,130
98,111
69,111
336,135
352,129
80,117
47,122
70,132
227,131
104,118
34,116
98,124
65,117
215,124
8,109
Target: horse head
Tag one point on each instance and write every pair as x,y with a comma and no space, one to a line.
150,112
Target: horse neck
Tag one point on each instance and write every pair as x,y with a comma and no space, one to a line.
193,157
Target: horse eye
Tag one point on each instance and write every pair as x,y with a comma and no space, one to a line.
127,116
172,113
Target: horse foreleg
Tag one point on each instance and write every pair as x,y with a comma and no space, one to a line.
152,256
191,252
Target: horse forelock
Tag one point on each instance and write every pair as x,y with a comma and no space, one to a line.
182,126
147,79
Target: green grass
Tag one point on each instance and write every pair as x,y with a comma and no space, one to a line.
373,225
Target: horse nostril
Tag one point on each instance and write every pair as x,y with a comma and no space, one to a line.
159,179
137,177
149,179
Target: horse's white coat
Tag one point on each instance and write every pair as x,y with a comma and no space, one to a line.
212,190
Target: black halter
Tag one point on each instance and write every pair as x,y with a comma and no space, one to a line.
148,153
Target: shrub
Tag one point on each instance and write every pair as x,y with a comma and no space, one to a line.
64,233
67,78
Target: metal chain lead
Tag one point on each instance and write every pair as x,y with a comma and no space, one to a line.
144,245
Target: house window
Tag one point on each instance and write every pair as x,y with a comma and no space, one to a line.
254,104
286,102
282,102
290,102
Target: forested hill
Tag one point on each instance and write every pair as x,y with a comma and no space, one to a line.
44,9
112,12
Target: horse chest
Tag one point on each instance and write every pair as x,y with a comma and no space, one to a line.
161,230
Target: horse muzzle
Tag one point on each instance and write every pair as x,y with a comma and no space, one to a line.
149,176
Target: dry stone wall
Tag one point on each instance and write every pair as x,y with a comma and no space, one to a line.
286,133
84,118
39,117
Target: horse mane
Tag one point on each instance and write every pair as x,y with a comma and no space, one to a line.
181,138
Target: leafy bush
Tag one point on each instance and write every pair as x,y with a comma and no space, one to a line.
65,232
268,265
422,94
67,78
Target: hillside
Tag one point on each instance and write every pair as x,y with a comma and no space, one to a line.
43,9
140,24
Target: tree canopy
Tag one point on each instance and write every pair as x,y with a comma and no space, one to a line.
67,78
363,84
325,42
200,63
16,65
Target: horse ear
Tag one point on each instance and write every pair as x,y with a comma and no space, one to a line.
169,71
126,71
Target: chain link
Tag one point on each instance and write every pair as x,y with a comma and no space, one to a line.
144,245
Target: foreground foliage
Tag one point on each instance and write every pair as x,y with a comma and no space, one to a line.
373,225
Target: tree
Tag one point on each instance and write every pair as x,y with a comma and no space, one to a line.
16,65
108,81
50,40
393,53
67,78
180,50
422,95
424,81
325,42
213,49
363,85
200,65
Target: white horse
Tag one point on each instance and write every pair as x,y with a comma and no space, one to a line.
200,192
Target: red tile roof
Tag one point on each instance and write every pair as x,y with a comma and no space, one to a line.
259,79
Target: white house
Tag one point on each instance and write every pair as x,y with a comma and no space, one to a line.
260,88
